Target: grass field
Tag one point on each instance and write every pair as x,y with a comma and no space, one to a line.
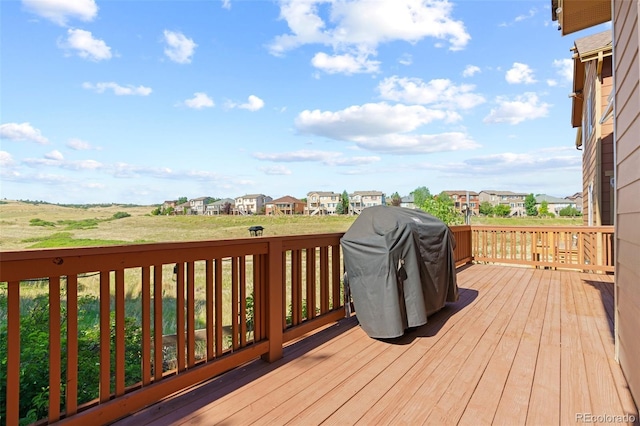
17,231
28,226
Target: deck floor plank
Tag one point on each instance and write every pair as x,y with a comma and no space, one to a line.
544,403
395,401
487,395
520,346
359,403
514,400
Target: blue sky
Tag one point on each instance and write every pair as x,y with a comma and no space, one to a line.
150,100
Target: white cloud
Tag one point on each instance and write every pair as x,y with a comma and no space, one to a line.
345,64
532,12
520,73
551,82
406,59
354,29
118,89
226,4
79,145
470,71
200,100
254,103
517,163
179,48
385,128
419,144
441,93
564,68
524,107
85,45
60,11
22,132
275,171
329,158
6,160
359,122
54,155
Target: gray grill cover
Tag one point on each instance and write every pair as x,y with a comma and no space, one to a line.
399,267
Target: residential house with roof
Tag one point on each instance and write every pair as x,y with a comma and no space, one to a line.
286,205
199,205
251,204
222,206
362,199
590,115
460,201
554,204
183,208
515,200
575,15
322,202
167,205
408,202
577,198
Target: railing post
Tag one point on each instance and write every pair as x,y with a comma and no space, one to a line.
273,315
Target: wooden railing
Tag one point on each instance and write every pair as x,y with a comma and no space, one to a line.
224,303
572,247
186,312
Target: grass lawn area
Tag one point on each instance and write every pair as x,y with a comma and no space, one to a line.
30,226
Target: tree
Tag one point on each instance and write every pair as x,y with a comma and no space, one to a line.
396,200
543,210
421,195
569,211
226,208
486,208
182,200
343,206
502,210
530,205
442,207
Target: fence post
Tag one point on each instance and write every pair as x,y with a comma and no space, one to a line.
273,314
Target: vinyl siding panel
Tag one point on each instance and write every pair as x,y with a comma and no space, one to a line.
627,275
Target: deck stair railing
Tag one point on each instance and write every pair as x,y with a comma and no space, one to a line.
186,312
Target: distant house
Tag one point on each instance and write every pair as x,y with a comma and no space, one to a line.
171,204
184,208
515,200
285,205
321,203
590,115
578,199
362,199
555,204
407,202
218,207
460,201
251,203
199,205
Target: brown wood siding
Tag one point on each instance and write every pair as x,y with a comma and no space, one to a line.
627,277
606,149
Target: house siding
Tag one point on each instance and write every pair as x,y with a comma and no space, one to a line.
627,232
597,164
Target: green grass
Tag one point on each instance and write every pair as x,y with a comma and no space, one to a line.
526,221
65,239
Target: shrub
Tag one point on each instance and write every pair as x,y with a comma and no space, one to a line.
120,215
40,222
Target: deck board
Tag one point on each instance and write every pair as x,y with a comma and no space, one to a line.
520,346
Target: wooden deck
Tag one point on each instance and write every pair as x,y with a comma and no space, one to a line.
521,346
